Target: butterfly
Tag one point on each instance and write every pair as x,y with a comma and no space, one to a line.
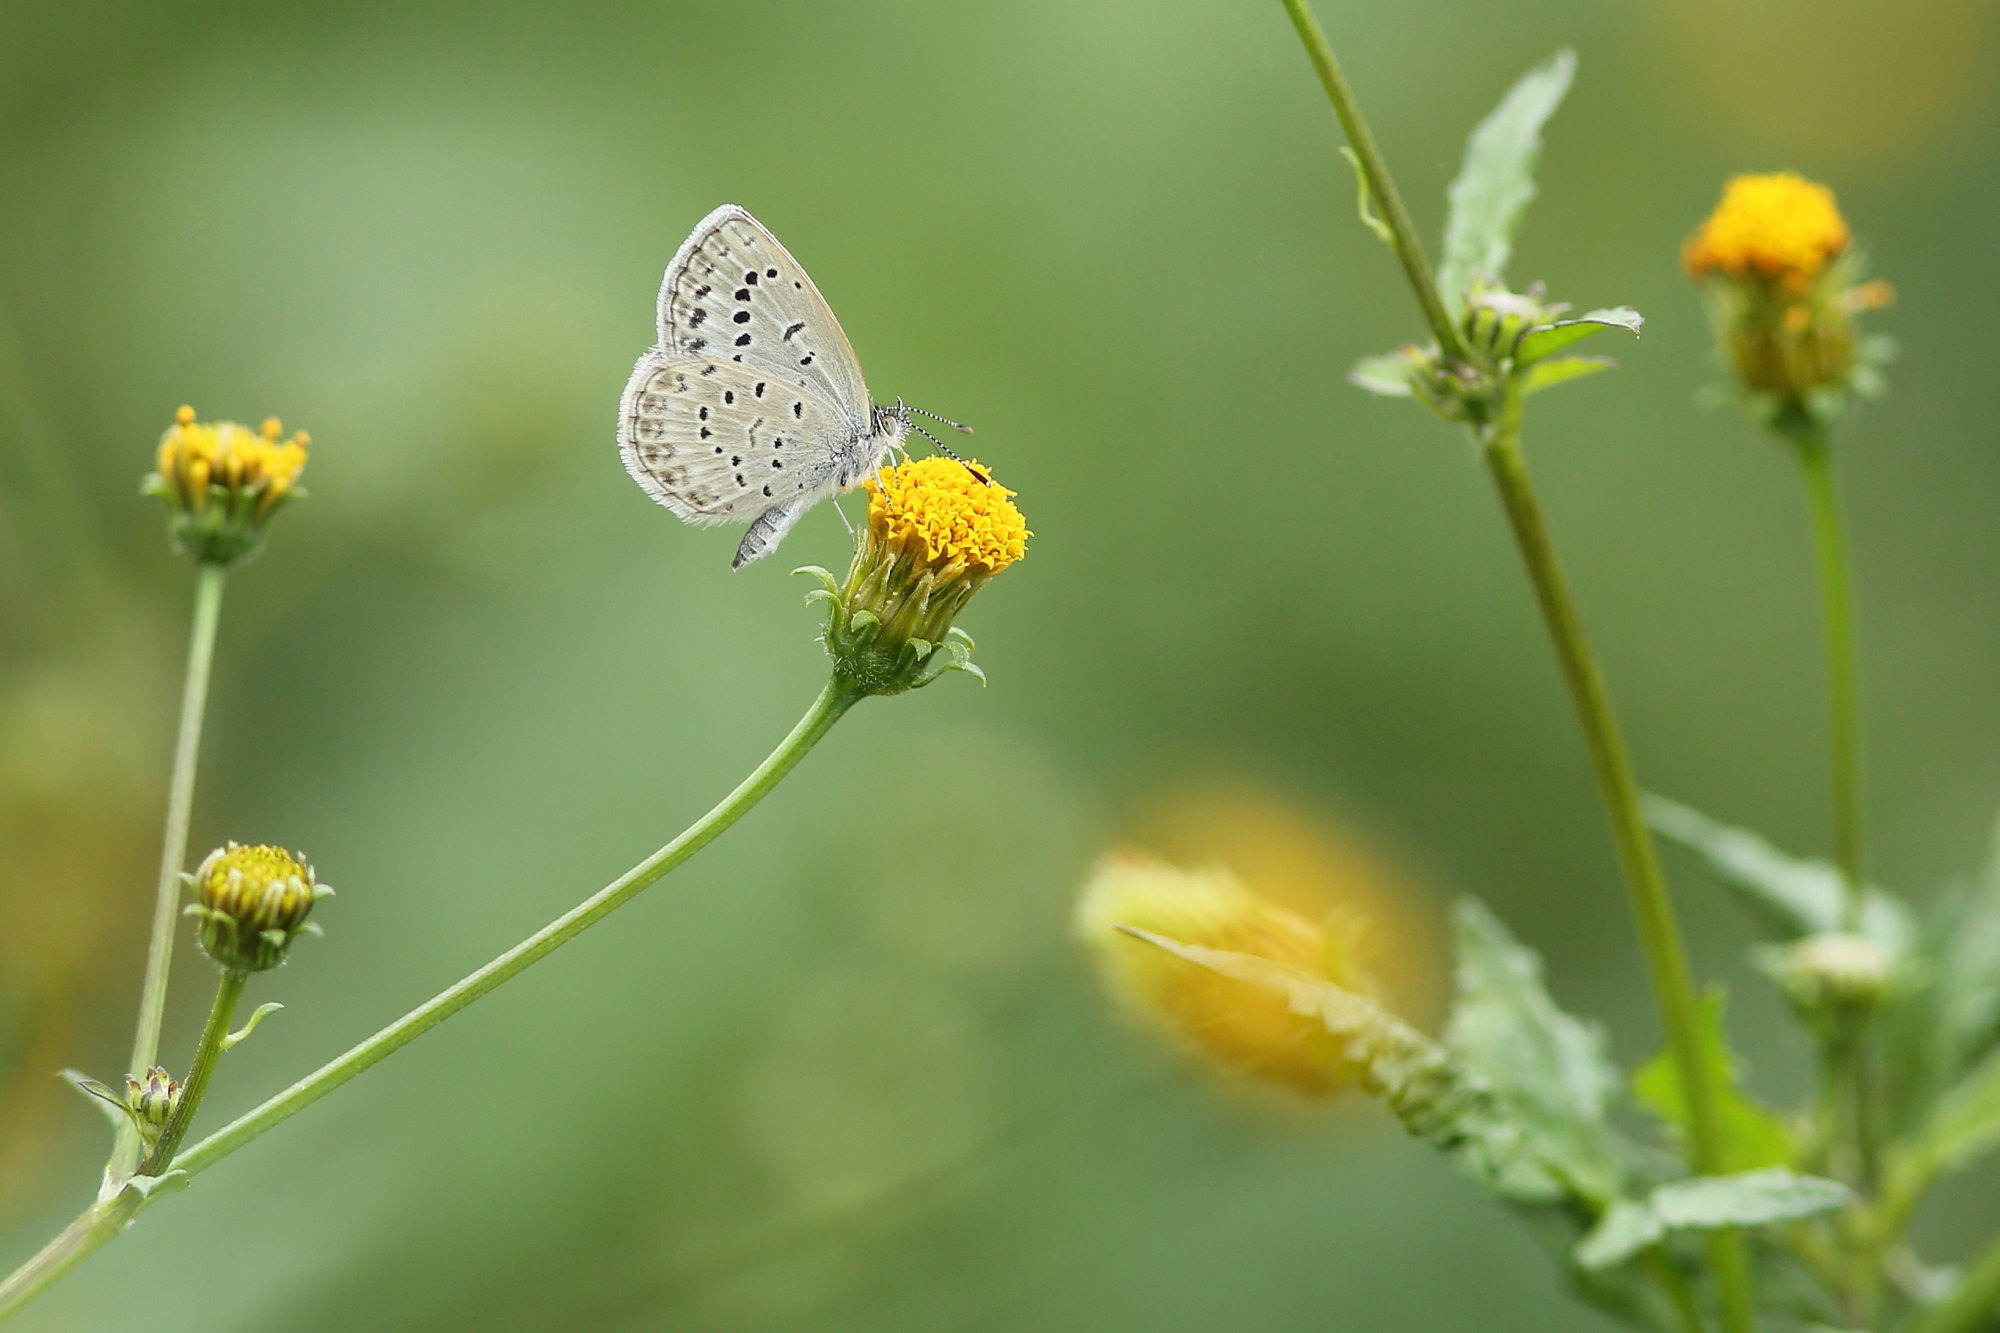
752,406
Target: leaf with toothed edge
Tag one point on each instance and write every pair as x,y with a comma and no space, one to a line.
1497,180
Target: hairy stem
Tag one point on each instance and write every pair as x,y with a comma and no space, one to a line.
228,990
173,848
1652,906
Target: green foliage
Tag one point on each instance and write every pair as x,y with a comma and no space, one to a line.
1387,375
1552,338
1752,1198
1496,182
1753,1136
1789,897
1561,370
1548,1071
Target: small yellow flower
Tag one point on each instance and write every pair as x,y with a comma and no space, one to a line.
1781,227
251,902
1243,1028
1775,263
938,529
223,481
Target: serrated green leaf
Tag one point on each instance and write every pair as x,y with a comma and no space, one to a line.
1548,1071
1963,1126
1497,180
1753,1137
1790,897
1748,1199
1561,370
1552,338
1387,375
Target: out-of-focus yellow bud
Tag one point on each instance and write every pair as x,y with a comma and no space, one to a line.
1241,1027
1775,263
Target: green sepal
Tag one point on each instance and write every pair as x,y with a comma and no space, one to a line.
256,1017
111,1103
1753,1136
1549,339
1497,180
1746,1199
1387,375
1561,370
1368,218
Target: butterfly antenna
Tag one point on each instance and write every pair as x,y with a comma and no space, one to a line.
958,426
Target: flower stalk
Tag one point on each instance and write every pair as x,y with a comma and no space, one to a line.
214,1040
173,851
1499,435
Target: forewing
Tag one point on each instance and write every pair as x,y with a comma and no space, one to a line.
721,442
733,292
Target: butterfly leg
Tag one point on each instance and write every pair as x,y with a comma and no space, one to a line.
844,521
767,531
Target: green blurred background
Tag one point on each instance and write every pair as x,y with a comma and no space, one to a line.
847,1070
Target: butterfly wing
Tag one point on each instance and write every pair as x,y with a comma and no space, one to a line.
717,441
735,293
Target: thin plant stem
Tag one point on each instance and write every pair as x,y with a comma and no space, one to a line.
214,1037
105,1219
1659,931
173,847
1679,1294
1843,691
1409,250
1652,906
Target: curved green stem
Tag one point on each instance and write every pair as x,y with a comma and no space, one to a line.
1652,907
173,848
1409,250
214,1040
103,1220
833,701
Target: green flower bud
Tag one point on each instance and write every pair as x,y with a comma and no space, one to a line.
151,1103
250,903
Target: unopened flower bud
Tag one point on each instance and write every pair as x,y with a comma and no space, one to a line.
251,902
1835,972
152,1103
222,482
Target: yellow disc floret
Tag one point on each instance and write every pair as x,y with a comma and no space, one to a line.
1778,226
948,515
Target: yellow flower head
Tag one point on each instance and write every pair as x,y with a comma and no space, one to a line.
945,515
1779,227
251,902
938,529
223,481
1243,1028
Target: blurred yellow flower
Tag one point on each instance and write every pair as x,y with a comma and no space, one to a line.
1778,275
1778,226
223,481
1241,1027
